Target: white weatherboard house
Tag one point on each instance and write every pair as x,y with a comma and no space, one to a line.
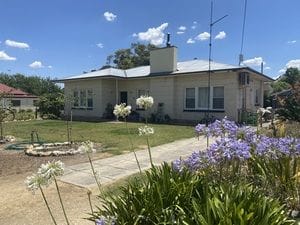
180,88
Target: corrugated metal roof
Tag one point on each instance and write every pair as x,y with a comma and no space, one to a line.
143,71
13,92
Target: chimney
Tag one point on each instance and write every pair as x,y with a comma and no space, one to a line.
164,60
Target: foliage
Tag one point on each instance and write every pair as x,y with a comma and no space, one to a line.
169,197
291,76
289,104
279,85
51,105
34,85
108,112
6,113
137,55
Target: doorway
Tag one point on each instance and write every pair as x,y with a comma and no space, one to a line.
123,97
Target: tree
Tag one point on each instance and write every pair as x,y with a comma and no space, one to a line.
34,85
291,102
51,104
279,85
137,55
291,76
6,113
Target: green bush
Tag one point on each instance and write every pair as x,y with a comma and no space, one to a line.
170,197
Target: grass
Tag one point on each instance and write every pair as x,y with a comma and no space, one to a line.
112,136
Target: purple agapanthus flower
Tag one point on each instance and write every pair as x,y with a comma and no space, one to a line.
100,221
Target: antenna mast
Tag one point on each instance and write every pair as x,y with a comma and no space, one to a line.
241,56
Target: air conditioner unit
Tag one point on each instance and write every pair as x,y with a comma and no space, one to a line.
244,78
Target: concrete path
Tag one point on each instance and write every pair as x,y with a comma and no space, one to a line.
116,167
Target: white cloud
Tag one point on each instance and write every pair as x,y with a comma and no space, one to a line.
36,65
221,35
190,41
50,67
182,28
5,57
256,61
154,35
292,42
100,45
267,68
203,36
293,63
194,25
109,16
134,35
16,44
180,32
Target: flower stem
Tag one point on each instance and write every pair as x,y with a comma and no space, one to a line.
94,173
149,151
132,148
61,202
49,210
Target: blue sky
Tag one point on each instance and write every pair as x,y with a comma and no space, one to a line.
60,38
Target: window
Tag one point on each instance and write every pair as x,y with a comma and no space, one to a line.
218,98
197,98
76,99
83,99
203,97
190,98
15,103
90,99
256,97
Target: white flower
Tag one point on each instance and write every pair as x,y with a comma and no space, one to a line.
51,170
146,130
122,110
263,111
145,102
87,147
35,181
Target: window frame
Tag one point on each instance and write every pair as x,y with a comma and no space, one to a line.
211,97
87,95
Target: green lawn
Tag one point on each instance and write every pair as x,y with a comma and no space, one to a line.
113,136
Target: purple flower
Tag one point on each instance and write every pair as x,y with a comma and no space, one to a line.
177,165
100,221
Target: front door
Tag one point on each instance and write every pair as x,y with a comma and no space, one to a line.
123,97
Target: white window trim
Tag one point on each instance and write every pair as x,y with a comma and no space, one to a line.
211,90
86,99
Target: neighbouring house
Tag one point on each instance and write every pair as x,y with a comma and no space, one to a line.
16,98
181,90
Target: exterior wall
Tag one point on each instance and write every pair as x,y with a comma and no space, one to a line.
93,84
108,94
163,60
228,80
171,92
132,87
162,90
25,103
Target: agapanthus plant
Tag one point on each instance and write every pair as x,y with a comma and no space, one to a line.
122,110
242,149
145,102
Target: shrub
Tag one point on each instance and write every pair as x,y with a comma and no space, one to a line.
170,197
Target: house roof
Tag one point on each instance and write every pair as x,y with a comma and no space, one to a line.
191,66
13,92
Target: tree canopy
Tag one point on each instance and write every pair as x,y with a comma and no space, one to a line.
137,55
31,84
290,104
